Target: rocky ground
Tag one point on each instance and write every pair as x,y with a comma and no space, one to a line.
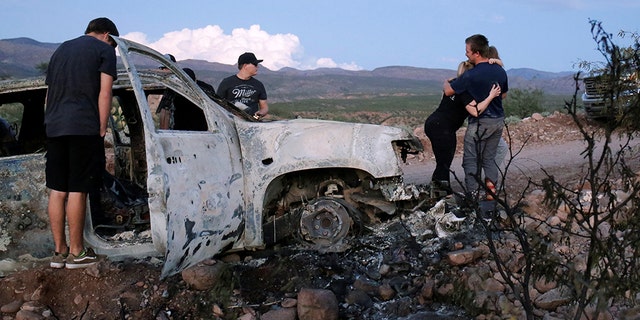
405,268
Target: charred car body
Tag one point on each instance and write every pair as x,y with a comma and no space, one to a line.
228,183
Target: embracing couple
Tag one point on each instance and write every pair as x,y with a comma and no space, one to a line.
476,95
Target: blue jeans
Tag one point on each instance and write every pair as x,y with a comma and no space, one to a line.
480,147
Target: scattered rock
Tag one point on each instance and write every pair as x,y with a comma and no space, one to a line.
552,299
280,314
543,285
630,314
426,291
369,287
11,307
97,270
317,304
464,256
386,292
205,276
77,299
28,315
34,306
359,297
537,117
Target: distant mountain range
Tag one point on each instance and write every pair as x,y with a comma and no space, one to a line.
20,57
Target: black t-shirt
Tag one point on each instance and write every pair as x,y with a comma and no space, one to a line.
248,92
478,82
73,77
453,110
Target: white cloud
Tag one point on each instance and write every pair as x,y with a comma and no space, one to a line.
137,37
329,63
212,44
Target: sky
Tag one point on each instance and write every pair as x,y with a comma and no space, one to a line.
546,35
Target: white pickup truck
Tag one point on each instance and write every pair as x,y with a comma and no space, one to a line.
602,98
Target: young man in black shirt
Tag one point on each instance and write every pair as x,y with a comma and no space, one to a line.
80,76
243,90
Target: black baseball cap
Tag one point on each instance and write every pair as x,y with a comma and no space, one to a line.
248,57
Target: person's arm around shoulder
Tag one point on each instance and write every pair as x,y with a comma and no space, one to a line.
496,61
476,109
448,90
500,63
104,101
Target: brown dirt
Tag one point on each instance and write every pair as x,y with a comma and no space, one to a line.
133,290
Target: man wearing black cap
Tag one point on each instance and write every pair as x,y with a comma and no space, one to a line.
243,90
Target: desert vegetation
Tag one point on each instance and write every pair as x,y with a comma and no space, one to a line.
407,110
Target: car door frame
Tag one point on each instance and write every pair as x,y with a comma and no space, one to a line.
195,179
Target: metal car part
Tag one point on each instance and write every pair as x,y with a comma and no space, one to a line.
325,222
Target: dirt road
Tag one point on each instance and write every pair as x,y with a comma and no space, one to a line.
561,158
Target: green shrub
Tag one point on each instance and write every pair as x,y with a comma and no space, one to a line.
523,102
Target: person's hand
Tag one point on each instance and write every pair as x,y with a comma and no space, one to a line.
495,90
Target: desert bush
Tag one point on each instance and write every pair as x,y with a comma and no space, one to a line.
523,102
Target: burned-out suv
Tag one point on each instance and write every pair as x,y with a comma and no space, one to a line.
222,181
602,98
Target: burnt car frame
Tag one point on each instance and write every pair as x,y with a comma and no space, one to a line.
235,184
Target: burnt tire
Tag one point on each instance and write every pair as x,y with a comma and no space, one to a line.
325,224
